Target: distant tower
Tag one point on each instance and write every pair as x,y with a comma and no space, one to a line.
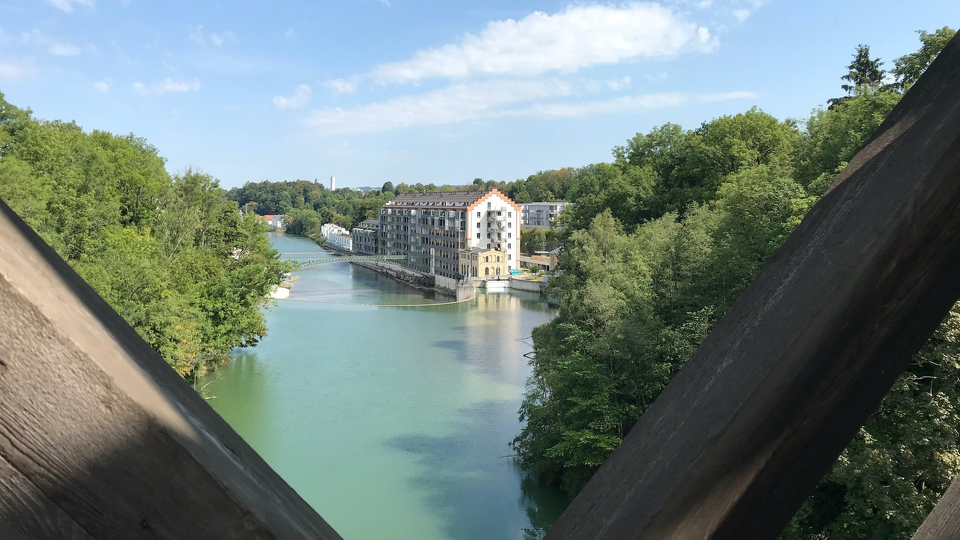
333,184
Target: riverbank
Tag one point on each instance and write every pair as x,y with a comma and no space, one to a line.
392,422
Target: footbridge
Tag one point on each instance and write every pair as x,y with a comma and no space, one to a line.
306,263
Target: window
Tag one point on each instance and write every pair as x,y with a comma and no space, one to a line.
489,205
478,224
488,235
478,214
509,256
478,235
509,224
509,214
509,235
509,246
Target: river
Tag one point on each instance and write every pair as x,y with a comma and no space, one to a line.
392,422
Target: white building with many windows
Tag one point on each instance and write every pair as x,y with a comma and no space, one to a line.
540,215
336,236
431,229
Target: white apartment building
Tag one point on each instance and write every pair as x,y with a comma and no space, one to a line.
431,229
336,236
540,215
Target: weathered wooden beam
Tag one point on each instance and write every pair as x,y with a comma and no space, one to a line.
100,439
744,432
944,522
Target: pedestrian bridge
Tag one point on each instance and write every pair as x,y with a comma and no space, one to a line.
306,263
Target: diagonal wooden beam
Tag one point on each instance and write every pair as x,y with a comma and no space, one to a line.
944,522
100,439
744,432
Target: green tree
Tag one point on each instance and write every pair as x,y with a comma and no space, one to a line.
173,256
908,68
863,73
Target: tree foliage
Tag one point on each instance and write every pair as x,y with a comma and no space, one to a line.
658,246
172,255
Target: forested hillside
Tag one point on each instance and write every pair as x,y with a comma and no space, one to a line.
311,204
172,255
659,245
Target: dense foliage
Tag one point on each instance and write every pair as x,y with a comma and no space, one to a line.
173,256
311,204
659,245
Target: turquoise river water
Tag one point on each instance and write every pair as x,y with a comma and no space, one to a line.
392,422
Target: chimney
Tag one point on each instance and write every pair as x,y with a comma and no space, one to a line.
333,183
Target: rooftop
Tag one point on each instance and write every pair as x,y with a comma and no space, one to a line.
449,199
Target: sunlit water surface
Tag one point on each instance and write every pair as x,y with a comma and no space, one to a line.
392,423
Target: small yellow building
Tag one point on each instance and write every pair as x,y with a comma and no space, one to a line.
483,263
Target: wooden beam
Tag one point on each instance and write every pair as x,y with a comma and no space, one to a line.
99,438
759,414
944,522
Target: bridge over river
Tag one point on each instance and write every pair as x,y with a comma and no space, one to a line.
306,263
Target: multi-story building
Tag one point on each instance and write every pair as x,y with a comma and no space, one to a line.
483,263
366,237
540,215
336,236
431,229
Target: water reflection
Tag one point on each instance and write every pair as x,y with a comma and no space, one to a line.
392,422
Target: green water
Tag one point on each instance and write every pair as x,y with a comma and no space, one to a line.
391,422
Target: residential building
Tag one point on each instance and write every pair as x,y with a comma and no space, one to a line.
366,237
540,215
483,263
431,229
336,236
274,221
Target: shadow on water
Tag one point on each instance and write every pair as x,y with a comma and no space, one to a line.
464,477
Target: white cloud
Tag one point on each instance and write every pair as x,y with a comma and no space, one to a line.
341,86
619,84
67,5
492,99
299,98
457,103
290,33
662,76
741,14
385,3
17,68
624,104
54,47
198,36
64,49
103,86
579,37
166,86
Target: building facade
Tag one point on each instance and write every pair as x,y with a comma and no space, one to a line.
483,263
540,215
275,221
336,236
366,237
430,229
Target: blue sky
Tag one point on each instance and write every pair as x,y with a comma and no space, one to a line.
429,91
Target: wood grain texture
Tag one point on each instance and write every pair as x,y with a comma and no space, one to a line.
27,514
944,522
97,422
744,432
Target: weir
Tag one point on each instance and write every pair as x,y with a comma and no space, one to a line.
99,438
